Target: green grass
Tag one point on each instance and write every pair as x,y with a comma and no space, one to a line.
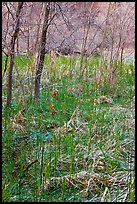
42,153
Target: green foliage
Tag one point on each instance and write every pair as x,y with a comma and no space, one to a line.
84,134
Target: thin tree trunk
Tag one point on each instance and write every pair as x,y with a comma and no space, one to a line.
12,50
28,40
41,53
38,30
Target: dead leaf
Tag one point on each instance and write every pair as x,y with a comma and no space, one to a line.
52,109
54,93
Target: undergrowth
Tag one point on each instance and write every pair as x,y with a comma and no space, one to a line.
76,146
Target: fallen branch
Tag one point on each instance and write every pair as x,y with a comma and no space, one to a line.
33,162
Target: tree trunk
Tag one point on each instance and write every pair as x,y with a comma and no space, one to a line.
12,49
41,54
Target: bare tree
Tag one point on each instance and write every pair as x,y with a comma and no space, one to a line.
116,28
41,53
12,46
78,27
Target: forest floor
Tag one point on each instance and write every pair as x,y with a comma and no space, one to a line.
77,142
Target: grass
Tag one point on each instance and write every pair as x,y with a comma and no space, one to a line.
83,152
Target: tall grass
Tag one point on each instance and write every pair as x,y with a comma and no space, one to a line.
83,152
